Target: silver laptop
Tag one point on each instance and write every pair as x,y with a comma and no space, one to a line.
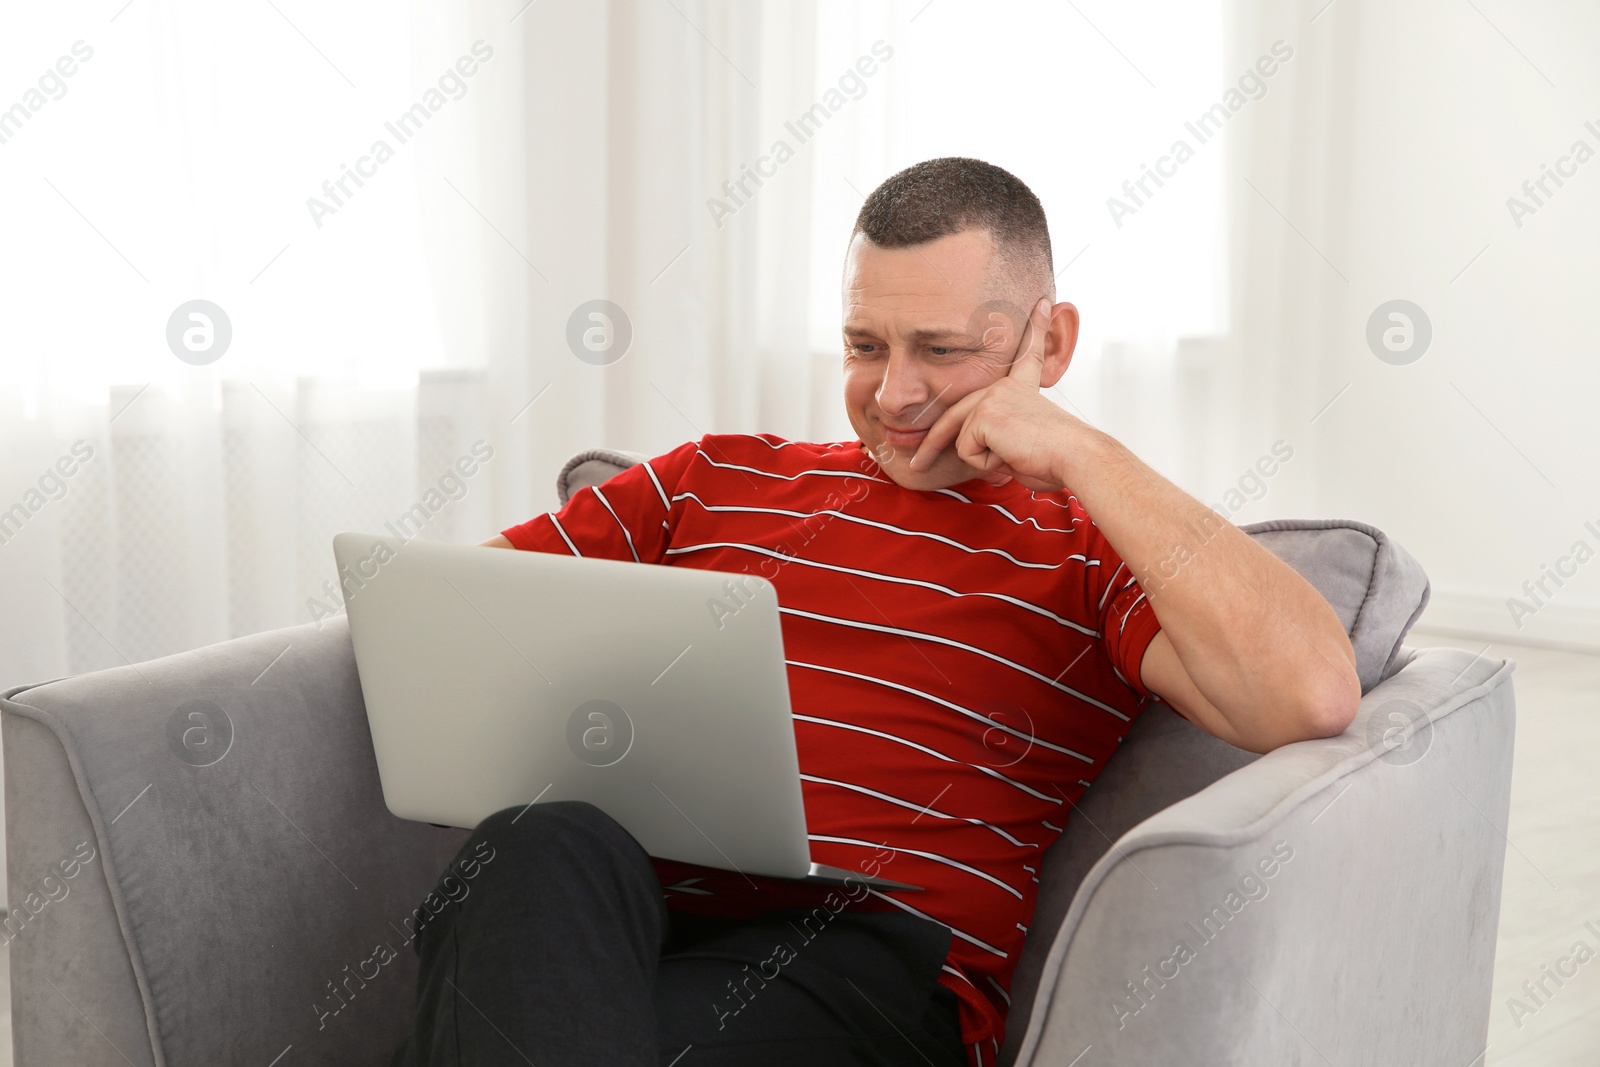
496,678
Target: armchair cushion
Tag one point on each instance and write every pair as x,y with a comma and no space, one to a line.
1375,586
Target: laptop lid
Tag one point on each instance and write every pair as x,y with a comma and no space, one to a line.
495,678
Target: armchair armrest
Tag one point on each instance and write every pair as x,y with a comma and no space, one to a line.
1281,914
248,890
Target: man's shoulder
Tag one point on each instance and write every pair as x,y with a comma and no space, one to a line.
770,452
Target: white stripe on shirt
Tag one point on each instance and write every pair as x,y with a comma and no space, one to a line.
662,493
1031,521
1129,612
986,720
1109,581
893,578
935,638
912,805
958,974
934,856
563,534
621,525
891,528
990,771
789,477
963,935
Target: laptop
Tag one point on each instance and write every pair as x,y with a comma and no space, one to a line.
495,678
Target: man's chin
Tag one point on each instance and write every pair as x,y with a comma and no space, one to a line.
946,471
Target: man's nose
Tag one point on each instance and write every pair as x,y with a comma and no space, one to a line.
903,387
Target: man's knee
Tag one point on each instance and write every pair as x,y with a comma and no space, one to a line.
508,851
526,839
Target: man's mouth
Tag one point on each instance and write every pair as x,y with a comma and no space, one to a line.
904,438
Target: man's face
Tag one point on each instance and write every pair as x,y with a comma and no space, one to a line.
923,327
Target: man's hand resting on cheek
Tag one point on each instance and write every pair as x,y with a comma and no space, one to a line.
1008,429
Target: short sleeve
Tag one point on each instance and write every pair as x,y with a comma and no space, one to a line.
625,518
1127,623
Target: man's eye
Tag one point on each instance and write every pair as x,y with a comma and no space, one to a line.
862,349
939,350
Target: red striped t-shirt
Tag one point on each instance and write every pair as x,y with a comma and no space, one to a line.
962,663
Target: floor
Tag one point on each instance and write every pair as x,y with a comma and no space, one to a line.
1552,874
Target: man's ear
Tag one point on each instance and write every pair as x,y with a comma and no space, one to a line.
1060,345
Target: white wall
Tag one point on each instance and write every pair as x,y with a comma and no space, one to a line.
1481,458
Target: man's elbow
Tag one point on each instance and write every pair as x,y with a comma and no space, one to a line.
1331,708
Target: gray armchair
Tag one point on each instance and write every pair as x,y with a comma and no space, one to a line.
202,870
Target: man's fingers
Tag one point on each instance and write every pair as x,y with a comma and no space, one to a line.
1028,366
944,430
952,426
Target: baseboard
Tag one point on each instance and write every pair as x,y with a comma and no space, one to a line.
1571,624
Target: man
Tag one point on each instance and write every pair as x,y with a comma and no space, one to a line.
966,648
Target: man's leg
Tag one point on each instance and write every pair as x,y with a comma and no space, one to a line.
546,952
807,986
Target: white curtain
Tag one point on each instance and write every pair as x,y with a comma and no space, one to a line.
402,313
394,312
696,165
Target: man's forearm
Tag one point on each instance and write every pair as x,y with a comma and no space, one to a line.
1255,638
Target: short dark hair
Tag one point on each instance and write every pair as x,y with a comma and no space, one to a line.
939,197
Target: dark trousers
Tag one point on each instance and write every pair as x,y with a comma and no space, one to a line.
552,945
